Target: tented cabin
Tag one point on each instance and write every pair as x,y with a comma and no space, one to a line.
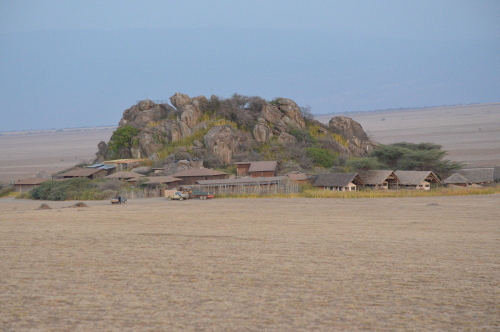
339,181
420,180
456,180
480,176
380,179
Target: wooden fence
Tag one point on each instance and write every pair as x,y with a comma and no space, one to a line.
261,187
142,193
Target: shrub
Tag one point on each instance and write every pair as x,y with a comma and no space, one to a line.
302,136
6,191
77,188
322,157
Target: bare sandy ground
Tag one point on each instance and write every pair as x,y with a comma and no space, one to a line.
392,264
22,155
470,133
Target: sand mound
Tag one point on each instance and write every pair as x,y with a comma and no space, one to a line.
80,204
44,207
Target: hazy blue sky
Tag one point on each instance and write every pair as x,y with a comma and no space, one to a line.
82,63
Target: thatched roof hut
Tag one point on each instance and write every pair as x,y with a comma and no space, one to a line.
417,179
478,175
339,181
380,179
457,180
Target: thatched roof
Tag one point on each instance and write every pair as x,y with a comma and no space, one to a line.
456,178
338,180
478,175
416,177
377,177
124,175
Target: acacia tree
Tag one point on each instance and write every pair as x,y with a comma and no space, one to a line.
415,157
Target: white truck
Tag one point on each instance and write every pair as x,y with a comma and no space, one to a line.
176,194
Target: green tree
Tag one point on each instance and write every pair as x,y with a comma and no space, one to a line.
122,137
364,164
415,157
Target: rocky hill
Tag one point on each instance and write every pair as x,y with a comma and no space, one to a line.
223,131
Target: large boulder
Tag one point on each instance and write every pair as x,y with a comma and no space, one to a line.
151,139
347,127
359,143
145,113
102,152
285,138
262,132
191,108
224,141
283,113
293,115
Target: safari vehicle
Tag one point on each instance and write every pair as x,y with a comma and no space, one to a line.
176,194
118,200
201,194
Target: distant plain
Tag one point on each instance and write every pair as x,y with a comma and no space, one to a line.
470,133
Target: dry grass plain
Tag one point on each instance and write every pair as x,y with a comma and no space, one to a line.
391,264
470,133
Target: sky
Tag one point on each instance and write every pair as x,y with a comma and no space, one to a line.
67,64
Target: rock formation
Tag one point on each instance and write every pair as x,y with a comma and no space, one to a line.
359,143
158,125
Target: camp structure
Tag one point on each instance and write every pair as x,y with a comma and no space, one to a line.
420,180
24,185
249,185
91,173
479,176
380,179
123,164
456,180
299,177
191,175
256,169
109,168
339,181
124,175
168,181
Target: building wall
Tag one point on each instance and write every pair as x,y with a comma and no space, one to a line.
350,187
191,180
263,174
25,187
242,170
